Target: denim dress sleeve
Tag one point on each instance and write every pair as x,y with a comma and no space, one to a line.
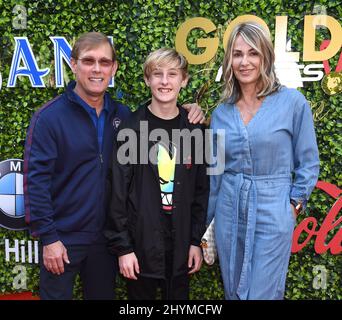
305,153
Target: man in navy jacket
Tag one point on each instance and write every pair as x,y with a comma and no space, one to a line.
67,156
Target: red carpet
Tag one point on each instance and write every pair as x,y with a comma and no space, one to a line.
19,296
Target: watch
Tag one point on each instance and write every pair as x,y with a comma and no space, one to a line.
298,205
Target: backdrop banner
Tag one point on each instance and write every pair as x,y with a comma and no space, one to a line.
36,38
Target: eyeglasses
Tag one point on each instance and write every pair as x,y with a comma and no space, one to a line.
103,62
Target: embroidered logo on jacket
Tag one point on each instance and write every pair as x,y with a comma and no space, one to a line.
116,122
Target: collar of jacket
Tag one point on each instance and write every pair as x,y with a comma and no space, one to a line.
110,107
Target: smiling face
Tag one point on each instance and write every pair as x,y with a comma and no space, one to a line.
246,62
165,82
93,70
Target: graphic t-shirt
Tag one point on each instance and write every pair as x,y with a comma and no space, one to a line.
166,159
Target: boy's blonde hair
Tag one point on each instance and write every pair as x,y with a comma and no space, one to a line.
165,56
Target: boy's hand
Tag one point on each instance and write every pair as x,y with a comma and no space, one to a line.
128,263
196,114
195,259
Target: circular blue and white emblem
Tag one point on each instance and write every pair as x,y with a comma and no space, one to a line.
12,211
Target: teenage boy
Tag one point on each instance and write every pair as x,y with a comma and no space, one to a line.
158,210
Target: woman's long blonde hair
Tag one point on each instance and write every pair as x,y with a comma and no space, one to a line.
257,38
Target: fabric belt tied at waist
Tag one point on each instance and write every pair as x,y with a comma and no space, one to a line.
254,181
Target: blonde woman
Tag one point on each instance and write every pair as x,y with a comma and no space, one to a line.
271,167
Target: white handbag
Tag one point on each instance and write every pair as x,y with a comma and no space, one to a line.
208,244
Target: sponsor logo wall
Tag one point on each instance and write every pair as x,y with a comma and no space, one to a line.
314,64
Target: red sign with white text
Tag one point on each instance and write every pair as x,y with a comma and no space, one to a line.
309,225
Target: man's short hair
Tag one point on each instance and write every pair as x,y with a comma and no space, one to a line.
90,40
166,56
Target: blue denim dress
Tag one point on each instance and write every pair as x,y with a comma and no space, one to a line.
270,160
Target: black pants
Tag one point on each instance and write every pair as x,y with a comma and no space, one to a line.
172,288
97,269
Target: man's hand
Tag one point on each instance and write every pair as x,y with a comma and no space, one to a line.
54,256
195,259
128,263
196,114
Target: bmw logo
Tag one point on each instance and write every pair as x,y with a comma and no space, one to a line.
12,211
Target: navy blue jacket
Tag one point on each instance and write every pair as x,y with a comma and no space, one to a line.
65,173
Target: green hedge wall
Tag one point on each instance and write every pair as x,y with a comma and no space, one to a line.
139,26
